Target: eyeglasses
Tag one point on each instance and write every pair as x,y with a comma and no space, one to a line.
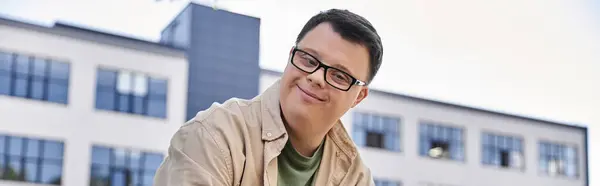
333,76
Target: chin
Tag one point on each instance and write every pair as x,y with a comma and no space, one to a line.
297,106
294,108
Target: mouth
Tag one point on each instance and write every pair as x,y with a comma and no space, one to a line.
311,94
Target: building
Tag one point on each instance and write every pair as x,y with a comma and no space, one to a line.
412,141
91,108
217,52
77,102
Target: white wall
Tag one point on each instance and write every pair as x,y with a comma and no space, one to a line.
79,124
407,166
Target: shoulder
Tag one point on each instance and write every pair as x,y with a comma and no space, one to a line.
218,114
224,118
229,121
361,172
218,130
361,166
207,140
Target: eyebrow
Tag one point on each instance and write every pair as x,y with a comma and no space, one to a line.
338,66
341,67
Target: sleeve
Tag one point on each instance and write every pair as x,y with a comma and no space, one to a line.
195,158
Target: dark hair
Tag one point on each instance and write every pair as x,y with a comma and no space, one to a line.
351,27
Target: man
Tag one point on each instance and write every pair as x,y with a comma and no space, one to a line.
291,134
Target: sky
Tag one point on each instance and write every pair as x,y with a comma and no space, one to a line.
538,58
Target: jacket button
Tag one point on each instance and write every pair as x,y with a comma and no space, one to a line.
269,134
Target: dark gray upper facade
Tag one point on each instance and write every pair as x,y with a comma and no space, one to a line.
223,54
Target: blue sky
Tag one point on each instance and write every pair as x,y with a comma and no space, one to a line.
536,58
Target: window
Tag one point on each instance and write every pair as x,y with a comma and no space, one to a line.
558,159
502,151
376,131
123,167
425,183
375,139
31,160
131,92
441,142
383,182
34,78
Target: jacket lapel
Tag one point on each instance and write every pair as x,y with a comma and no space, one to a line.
273,133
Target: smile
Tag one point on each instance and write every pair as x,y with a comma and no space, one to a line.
311,94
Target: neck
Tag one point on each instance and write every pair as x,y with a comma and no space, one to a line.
305,144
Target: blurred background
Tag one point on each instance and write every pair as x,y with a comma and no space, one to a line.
470,92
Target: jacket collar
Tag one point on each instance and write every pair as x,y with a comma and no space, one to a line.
273,128
272,124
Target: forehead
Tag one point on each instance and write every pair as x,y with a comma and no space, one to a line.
327,45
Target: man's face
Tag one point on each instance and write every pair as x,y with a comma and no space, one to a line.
309,103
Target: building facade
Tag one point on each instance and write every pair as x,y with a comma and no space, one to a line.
81,107
220,47
411,141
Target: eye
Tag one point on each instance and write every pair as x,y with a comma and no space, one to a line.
340,77
307,60
312,62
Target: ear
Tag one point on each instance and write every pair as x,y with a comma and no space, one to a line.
364,92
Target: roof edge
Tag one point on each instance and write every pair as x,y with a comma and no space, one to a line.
185,8
79,28
217,8
79,32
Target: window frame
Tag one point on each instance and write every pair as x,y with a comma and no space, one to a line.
113,165
563,145
439,125
386,182
365,128
523,151
131,97
31,78
40,160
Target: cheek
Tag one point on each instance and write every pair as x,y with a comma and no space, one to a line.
341,101
288,80
291,74
287,76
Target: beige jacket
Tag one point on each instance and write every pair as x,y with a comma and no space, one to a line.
237,143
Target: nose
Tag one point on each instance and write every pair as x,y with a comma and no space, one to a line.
317,78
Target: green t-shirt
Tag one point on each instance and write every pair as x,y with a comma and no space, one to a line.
296,169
